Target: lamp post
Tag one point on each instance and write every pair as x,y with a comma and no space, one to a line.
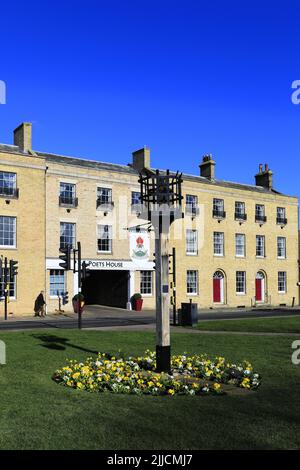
161,205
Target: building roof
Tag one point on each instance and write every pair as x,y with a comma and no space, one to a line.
114,167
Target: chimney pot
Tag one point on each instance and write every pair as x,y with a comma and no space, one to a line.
264,178
207,167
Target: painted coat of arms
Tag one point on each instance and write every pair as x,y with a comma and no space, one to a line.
139,251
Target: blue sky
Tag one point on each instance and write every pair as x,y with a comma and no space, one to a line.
100,79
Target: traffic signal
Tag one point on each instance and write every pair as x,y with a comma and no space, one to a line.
13,270
65,297
65,257
84,272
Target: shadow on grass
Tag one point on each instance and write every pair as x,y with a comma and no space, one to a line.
57,343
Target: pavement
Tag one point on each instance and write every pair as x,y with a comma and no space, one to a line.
109,318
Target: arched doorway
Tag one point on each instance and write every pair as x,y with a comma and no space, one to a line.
219,287
260,287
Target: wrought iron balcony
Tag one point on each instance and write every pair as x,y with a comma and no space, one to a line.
260,218
104,204
240,216
11,193
219,214
68,201
281,221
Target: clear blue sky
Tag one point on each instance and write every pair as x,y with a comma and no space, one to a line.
100,79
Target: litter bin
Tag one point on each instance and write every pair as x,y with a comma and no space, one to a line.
189,314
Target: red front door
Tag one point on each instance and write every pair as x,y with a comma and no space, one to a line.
217,290
258,290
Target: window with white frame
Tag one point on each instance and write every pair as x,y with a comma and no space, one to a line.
192,282
135,198
8,231
191,242
241,282
282,283
8,183
218,207
67,234
67,193
104,196
240,245
12,291
57,282
260,213
260,246
281,247
218,243
239,209
191,204
146,283
281,215
104,239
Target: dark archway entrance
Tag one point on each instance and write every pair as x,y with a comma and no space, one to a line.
106,288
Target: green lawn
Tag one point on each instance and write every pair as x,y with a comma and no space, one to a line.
270,325
36,413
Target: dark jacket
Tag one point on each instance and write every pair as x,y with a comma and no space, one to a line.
39,302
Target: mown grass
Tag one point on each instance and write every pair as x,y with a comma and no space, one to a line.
37,413
265,325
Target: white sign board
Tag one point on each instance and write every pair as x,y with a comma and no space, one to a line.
139,247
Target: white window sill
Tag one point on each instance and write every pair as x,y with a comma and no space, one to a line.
218,256
240,293
240,256
260,257
191,253
8,247
192,295
282,293
281,257
146,295
104,252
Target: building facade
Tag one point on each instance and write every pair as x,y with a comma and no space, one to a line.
237,245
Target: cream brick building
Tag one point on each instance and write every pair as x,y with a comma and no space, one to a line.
236,246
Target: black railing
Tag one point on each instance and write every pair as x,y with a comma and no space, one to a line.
9,192
105,204
281,221
69,201
219,214
260,218
240,216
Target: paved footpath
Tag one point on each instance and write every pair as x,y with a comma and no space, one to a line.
103,317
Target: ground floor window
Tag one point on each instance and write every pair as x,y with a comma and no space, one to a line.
282,282
57,282
11,289
146,282
241,282
192,282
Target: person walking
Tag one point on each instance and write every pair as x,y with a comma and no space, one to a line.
39,305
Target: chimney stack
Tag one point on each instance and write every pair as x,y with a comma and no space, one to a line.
264,177
141,159
23,137
207,167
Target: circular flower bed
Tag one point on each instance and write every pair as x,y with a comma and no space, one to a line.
191,375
